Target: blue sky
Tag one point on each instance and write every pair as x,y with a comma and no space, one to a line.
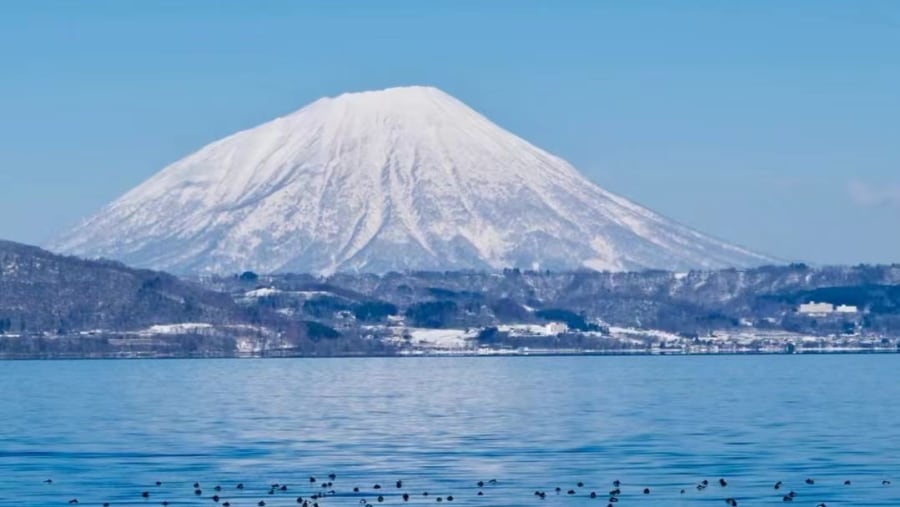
775,125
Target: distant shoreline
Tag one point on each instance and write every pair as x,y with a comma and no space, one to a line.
454,354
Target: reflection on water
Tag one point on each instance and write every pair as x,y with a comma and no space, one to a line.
107,430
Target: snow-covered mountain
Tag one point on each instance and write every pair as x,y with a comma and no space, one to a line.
397,179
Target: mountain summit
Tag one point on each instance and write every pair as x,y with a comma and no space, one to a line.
399,179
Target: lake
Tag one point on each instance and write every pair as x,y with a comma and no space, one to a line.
104,431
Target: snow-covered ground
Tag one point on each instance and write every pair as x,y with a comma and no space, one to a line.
271,291
433,339
637,334
549,329
182,328
261,292
240,331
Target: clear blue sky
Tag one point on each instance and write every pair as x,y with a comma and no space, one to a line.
775,125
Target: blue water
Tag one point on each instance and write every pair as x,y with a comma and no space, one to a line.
107,430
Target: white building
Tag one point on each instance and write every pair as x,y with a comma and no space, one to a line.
557,328
813,308
846,309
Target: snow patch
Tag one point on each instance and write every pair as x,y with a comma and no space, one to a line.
187,327
261,292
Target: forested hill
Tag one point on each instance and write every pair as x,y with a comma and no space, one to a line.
687,303
41,291
57,306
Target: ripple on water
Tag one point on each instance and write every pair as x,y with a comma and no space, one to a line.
107,430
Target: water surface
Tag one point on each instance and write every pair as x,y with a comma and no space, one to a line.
107,430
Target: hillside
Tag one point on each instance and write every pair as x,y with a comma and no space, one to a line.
57,306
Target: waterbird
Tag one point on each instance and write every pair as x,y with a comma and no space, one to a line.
613,498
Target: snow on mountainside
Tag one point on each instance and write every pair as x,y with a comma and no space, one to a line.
403,178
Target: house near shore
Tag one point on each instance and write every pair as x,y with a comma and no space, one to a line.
822,309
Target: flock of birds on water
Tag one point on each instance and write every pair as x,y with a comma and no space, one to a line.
316,492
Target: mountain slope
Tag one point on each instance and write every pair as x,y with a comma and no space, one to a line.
403,178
